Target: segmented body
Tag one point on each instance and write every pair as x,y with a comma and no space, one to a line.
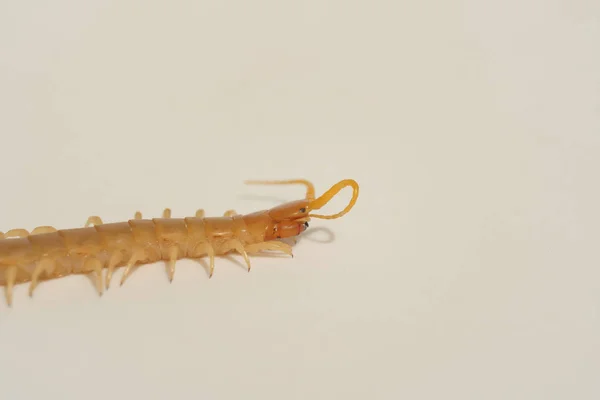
48,253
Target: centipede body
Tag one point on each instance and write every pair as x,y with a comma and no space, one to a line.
47,253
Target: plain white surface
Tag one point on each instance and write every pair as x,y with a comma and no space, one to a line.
469,268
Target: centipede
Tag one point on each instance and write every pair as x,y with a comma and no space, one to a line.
98,249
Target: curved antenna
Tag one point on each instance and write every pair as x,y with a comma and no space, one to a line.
310,188
328,195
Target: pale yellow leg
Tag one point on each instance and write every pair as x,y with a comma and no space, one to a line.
44,265
138,215
211,255
239,247
173,251
43,229
93,220
200,213
230,213
137,255
95,265
1,235
114,260
166,213
20,233
10,276
272,245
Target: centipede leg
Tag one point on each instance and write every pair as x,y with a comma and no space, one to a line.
138,215
173,252
230,213
211,255
44,265
95,265
200,213
209,251
239,247
43,229
1,235
10,276
20,233
93,220
166,213
135,257
114,260
272,245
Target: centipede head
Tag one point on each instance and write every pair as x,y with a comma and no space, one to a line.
291,219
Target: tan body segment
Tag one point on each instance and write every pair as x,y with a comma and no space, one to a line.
48,253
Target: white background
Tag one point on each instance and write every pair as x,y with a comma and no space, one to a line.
469,268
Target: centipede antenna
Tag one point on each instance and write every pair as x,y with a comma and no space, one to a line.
310,188
327,196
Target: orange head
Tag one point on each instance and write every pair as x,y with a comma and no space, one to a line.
291,219
287,220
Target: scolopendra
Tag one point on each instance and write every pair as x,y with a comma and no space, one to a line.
48,253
